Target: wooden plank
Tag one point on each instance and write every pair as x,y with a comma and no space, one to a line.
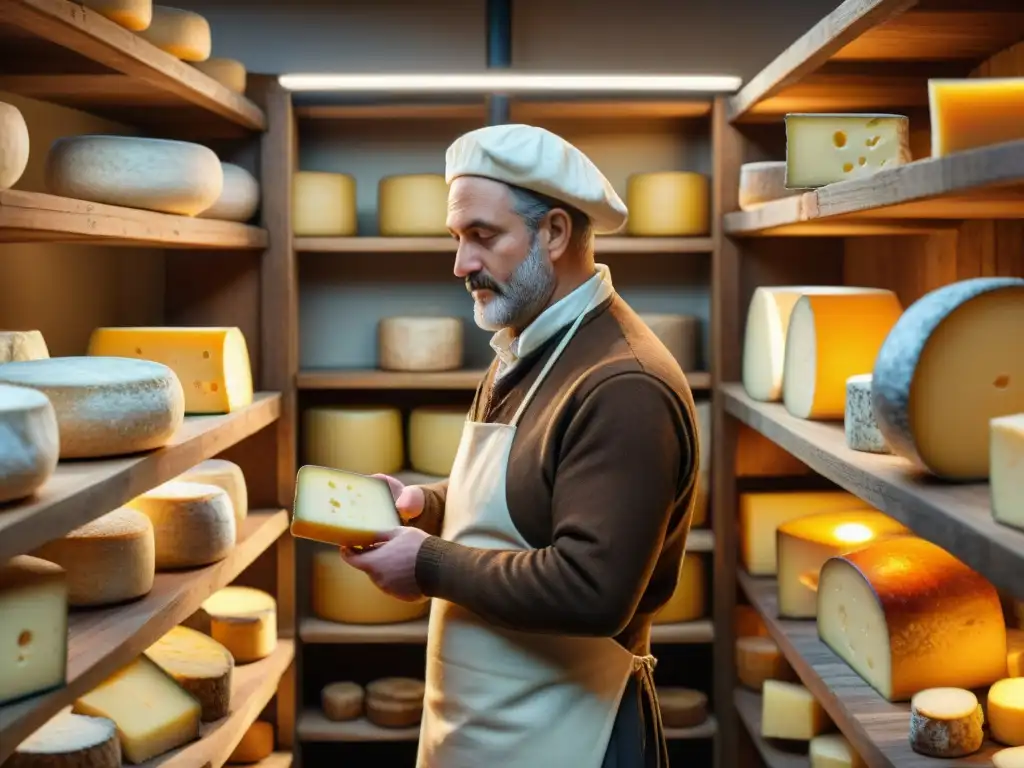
602,245
101,641
843,93
776,753
468,379
80,491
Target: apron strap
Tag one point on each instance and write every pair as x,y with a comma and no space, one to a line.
644,665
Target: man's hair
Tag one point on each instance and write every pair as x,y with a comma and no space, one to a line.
532,206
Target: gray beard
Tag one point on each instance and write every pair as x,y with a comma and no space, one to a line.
524,295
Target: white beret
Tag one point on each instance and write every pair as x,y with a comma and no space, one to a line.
536,159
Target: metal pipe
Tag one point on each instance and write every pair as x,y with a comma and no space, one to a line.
499,55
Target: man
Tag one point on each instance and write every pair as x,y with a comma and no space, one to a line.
561,528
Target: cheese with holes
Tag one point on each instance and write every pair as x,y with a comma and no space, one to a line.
68,740
239,197
228,72
825,148
227,476
763,182
804,544
323,204
211,363
759,659
16,346
953,345
945,722
1006,711
342,508
679,333
193,523
762,513
668,203
688,601
419,343
29,442
974,112
1006,469
1015,652
361,439
906,615
790,711
243,620
414,205
831,338
200,665
153,714
832,750
183,34
108,560
1012,757
682,707
135,15
256,744
434,436
34,630
859,425
343,593
342,701
701,494
14,145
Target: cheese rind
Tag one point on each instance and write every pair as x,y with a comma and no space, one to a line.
790,711
239,197
364,440
667,204
687,602
256,744
342,508
953,345
419,343
323,204
682,707
227,476
414,205
200,665
16,346
1006,469
974,112
434,436
135,15
1006,711
29,442
68,740
832,750
759,659
680,335
859,425
14,145
228,72
193,524
342,700
763,182
945,722
183,34
346,594
1011,757
243,620
825,148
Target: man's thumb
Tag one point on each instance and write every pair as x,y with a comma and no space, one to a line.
410,502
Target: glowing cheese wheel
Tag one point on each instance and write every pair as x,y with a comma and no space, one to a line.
228,72
346,594
239,198
763,182
14,145
256,744
687,602
945,722
183,34
357,439
679,333
323,204
759,659
420,343
434,436
859,425
70,741
200,665
31,444
243,620
412,206
225,475
16,346
955,345
669,203
135,15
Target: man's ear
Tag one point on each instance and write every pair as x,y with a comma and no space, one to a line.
558,226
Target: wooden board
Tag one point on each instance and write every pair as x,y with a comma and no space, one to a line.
602,245
775,752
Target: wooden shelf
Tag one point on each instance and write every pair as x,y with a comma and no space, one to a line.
101,641
602,245
252,687
706,730
774,752
32,217
59,51
468,379
521,111
276,760
957,517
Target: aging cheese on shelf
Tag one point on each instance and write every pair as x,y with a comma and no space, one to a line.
169,719
831,338
34,630
342,700
687,602
243,620
200,665
679,333
747,622
162,175
256,744
790,711
135,15
859,424
832,750
1015,652
108,560
415,205
1006,469
763,182
804,544
394,702
668,203
945,722
14,145
342,508
343,593
16,346
31,443
227,476
700,503
239,197
974,112
682,707
211,363
955,345
759,659
1006,711
825,148
193,523
228,72
434,436
68,740
323,204
419,343
906,616
365,440
1011,757
183,34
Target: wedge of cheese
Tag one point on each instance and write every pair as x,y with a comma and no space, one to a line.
825,148
790,711
974,112
200,665
342,508
688,601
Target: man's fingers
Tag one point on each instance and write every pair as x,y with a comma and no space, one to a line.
394,484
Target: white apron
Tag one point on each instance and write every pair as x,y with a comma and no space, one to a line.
502,698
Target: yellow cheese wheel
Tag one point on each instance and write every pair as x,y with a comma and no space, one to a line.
419,343
239,198
22,345
200,665
14,145
323,204
1006,711
358,439
135,15
346,594
228,72
434,436
669,203
183,34
257,743
412,206
243,620
688,599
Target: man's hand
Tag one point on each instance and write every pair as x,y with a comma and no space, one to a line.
408,498
391,565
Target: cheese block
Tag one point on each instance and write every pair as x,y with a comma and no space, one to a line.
183,34
974,112
805,543
14,145
953,345
832,750
763,182
700,502
1006,711
361,439
108,560
945,722
1012,757
682,707
68,740
759,659
668,203
747,622
1006,469
16,346
200,665
434,436
342,508
859,425
415,205
790,711
323,204
228,72
343,593
256,744
153,714
342,701
161,175
243,620
762,513
688,600
31,442
211,363
135,15
831,338
193,523
227,476
239,197
419,343
33,634
906,615
679,333
1015,652
825,148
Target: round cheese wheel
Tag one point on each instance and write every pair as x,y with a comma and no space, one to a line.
420,343
669,203
226,475
945,722
346,594
68,740
239,197
763,182
701,494
256,744
1013,757
859,424
434,436
105,406
342,701
200,665
183,34
415,205
365,440
16,346
14,145
243,620
759,659
108,560
396,689
688,601
135,15
682,707
1006,711
679,333
162,175
31,444
323,204
228,72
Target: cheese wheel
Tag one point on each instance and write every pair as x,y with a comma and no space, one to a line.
859,424
70,741
967,113
669,203
700,503
680,335
434,436
1015,652
365,440
342,701
323,204
419,343
108,560
31,442
183,34
14,145
954,345
415,205
345,594
790,711
1006,711
200,665
342,508
162,175
747,622
256,744
763,182
228,72
833,750
824,348
396,689
193,523
827,148
1012,757
105,406
227,476
682,707
687,602
759,659
1006,469
906,615
243,620
391,714
239,197
16,346
945,722
135,15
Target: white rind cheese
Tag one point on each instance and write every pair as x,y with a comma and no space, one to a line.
68,740
226,475
945,722
1006,469
342,508
193,523
419,343
667,204
183,34
763,182
688,599
434,436
228,72
29,442
200,665
239,198
859,423
826,148
343,593
14,145
414,205
16,346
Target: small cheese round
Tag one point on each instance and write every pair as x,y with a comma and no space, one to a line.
14,145
1006,711
759,659
687,602
669,203
396,689
414,205
434,436
256,744
183,34
358,439
1012,757
70,741
419,343
323,204
135,15
859,423
228,72
243,620
346,594
200,665
832,750
225,475
763,182
30,442
16,346
239,197
679,334
945,722
682,707
342,700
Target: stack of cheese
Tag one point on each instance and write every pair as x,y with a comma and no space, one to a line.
242,619
390,702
